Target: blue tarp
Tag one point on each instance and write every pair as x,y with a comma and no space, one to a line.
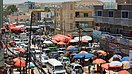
79,56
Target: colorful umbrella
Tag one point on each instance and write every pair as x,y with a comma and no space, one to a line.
15,59
21,63
84,40
79,56
115,64
70,47
83,52
126,64
123,72
105,66
60,43
117,56
99,61
125,59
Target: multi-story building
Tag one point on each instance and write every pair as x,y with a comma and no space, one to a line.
123,1
116,20
76,13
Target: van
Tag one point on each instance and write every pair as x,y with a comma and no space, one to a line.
55,67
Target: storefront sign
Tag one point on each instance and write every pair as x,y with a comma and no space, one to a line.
130,57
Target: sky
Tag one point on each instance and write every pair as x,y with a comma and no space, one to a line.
21,1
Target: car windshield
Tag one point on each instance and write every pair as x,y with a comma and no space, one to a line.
77,67
65,60
58,67
46,58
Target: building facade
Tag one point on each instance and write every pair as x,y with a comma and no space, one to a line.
72,15
117,23
123,1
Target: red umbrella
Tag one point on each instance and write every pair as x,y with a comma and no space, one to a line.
99,61
60,43
123,72
21,63
3,28
105,66
15,59
22,50
84,40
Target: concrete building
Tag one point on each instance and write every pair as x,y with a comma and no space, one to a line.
71,15
116,21
124,1
20,18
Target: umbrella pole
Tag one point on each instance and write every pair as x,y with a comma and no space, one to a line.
20,62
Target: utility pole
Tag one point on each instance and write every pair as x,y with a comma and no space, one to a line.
1,17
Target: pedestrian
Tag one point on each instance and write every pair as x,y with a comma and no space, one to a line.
32,70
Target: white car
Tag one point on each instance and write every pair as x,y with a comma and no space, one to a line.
74,69
44,60
65,60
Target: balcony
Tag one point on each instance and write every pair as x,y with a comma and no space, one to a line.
83,19
98,19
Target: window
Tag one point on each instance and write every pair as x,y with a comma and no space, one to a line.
77,14
99,13
70,16
71,7
71,26
124,14
85,14
111,14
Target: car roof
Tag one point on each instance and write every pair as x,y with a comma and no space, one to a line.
54,62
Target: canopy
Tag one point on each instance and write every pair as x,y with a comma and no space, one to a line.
125,59
123,72
83,38
79,56
60,43
115,64
20,63
48,42
99,61
70,47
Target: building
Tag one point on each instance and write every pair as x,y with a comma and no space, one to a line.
116,20
20,18
123,1
71,15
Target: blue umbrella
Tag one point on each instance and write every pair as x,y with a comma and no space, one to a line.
31,64
79,56
72,49
125,59
40,39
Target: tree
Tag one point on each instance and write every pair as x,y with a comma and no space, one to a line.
10,9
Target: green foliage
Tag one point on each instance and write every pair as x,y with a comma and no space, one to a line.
10,9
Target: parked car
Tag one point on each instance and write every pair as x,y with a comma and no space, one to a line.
74,69
65,60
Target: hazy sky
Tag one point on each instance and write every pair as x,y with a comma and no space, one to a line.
21,1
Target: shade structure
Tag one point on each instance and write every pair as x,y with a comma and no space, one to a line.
15,59
125,59
126,64
101,52
83,52
79,56
40,39
54,41
117,56
31,64
60,43
99,61
84,40
20,63
48,42
115,64
123,72
70,47
73,40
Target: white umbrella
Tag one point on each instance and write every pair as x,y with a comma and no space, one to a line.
84,38
73,40
48,42
115,63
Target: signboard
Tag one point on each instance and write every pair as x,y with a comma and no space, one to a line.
110,5
96,34
130,57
